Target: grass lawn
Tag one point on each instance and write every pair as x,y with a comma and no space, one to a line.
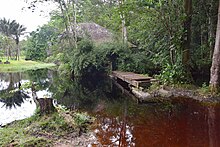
23,65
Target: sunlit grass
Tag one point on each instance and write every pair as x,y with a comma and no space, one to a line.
23,65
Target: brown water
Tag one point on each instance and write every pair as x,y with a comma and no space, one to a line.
120,121
182,123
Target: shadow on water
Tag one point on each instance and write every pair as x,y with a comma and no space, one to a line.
122,122
10,94
13,99
180,123
16,103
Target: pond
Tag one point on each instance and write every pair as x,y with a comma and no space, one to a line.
120,120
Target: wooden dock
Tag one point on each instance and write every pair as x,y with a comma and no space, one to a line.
136,80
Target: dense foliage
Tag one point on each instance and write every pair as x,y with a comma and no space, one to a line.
38,45
172,38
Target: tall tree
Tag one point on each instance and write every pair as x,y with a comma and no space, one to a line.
123,21
17,32
215,69
187,32
212,24
6,28
14,30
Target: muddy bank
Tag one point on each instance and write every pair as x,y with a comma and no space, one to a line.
167,93
86,139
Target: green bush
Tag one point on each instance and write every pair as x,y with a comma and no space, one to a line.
173,74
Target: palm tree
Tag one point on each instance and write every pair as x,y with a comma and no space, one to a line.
14,30
6,27
17,32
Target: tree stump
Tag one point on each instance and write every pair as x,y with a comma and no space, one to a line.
6,62
46,105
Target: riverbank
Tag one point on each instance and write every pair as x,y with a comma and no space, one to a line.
23,65
148,89
57,129
161,93
198,93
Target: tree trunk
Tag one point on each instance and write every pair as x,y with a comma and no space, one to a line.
66,21
75,35
44,104
123,23
212,25
204,35
214,76
17,52
187,33
211,36
172,56
9,53
70,28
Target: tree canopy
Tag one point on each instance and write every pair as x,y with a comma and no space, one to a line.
171,38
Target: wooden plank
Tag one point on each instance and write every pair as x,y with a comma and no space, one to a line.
137,77
131,75
154,80
133,79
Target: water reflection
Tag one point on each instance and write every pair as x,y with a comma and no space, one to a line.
10,93
79,94
16,103
8,81
120,120
13,99
186,123
213,121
